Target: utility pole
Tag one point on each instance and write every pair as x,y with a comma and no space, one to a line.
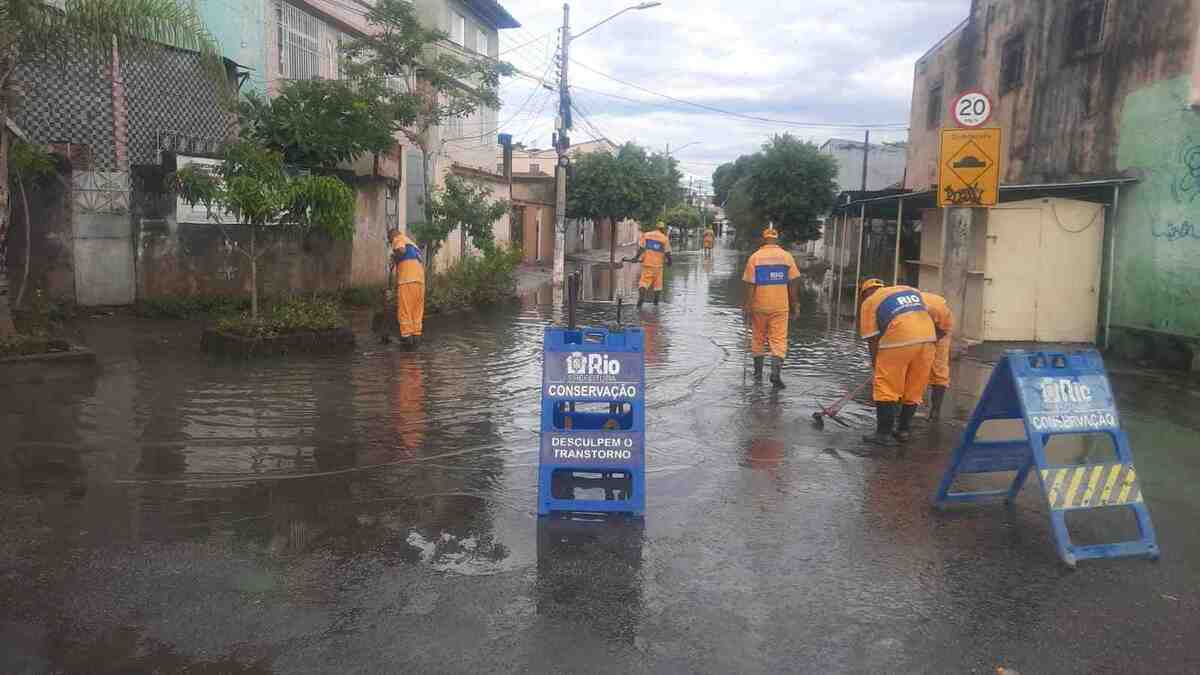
562,143
866,156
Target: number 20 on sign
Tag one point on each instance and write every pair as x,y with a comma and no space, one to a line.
969,167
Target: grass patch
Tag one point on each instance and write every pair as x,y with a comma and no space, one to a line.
474,282
191,306
26,344
290,315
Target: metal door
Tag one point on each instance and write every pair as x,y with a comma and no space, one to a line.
1069,276
104,273
1010,274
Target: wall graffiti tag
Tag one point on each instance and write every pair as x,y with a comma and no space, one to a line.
1177,231
1186,186
969,196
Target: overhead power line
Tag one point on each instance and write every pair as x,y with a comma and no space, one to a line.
731,113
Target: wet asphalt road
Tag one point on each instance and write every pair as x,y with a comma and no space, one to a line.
374,512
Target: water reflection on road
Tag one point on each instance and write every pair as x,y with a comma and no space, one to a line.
375,511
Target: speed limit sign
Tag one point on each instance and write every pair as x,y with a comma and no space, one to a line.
972,109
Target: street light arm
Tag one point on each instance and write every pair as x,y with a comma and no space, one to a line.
644,5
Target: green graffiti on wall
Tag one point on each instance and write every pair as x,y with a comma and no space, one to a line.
1158,241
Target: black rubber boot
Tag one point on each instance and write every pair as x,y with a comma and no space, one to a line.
885,419
641,297
904,429
758,368
657,295
936,395
777,372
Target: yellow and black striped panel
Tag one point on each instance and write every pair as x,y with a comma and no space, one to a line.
1091,486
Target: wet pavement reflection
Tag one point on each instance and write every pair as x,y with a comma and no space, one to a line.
376,512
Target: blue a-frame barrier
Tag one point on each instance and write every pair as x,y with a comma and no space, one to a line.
1054,393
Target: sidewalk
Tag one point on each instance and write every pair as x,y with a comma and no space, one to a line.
598,255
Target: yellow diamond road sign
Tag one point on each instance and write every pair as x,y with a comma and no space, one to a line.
969,167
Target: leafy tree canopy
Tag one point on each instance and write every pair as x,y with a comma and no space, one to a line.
461,202
792,184
683,217
319,123
629,184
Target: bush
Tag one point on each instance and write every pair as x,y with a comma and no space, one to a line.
474,282
290,315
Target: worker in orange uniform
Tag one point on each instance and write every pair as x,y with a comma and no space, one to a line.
410,288
896,323
939,374
710,238
654,248
771,290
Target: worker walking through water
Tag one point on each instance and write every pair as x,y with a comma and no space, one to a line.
410,288
771,281
710,238
654,248
896,323
939,374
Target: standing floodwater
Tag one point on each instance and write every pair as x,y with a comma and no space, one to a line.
374,512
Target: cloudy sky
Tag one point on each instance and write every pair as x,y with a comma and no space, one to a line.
812,61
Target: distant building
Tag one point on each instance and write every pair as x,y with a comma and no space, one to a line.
885,163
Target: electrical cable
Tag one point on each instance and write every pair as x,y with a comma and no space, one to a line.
756,118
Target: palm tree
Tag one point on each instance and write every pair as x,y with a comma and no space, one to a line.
46,31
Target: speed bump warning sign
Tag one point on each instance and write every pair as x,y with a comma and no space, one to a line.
969,167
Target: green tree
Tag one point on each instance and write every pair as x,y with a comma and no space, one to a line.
320,123
729,174
424,84
35,31
28,165
739,209
464,203
615,187
792,184
683,217
252,186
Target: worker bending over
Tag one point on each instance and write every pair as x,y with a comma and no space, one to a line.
654,248
939,374
896,323
710,238
410,288
771,280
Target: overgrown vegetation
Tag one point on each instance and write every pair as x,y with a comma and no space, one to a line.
461,203
252,186
290,315
191,306
27,344
475,282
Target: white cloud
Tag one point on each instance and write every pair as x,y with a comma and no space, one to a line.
828,61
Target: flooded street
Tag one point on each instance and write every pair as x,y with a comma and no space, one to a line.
375,512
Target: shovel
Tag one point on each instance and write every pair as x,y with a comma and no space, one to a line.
832,411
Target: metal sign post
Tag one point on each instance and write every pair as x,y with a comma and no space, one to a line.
1054,393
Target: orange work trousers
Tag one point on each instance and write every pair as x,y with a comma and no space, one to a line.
769,330
939,376
652,277
902,373
410,308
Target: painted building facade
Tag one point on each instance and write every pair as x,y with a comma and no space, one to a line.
1087,90
885,163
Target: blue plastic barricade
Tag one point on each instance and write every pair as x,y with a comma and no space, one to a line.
593,421
1054,393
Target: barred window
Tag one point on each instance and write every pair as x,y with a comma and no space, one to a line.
308,47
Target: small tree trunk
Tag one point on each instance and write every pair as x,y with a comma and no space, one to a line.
28,246
253,276
7,328
612,260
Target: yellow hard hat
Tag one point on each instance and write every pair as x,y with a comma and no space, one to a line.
870,284
662,226
770,233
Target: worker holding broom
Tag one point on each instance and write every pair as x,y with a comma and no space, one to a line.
896,323
654,248
939,374
771,290
410,288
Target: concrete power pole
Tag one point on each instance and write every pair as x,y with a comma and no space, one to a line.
562,143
